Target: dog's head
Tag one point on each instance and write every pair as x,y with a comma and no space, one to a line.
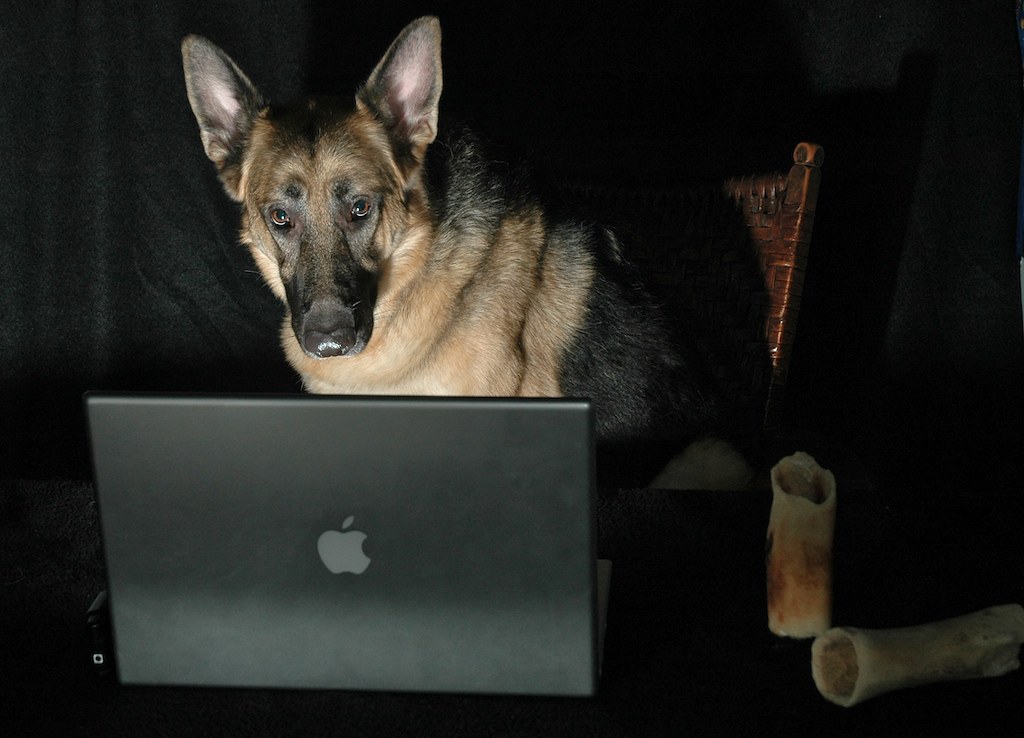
330,188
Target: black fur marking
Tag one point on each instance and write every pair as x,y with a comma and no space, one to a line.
306,123
470,182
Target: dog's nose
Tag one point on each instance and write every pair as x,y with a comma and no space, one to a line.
328,329
323,345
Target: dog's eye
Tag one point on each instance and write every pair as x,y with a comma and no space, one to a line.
360,208
280,217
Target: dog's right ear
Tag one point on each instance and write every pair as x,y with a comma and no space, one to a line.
225,104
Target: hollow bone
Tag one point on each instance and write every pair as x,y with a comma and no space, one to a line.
799,547
851,665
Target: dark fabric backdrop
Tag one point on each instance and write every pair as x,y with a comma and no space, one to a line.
121,268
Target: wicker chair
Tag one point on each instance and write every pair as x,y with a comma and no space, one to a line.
779,214
728,261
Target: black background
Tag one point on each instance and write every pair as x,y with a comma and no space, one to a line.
120,266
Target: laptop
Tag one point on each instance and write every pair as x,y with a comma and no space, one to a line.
367,543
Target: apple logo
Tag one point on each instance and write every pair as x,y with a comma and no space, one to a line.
343,552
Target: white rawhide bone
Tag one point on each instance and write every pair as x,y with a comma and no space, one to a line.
799,547
851,665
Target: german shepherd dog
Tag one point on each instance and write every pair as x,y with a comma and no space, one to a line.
411,263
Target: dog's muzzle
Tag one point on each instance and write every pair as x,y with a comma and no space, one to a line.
329,328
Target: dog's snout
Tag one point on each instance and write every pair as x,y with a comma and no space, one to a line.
328,329
330,319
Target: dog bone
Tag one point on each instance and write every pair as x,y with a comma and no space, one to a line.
851,665
799,547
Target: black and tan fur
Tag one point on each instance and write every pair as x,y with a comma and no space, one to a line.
411,263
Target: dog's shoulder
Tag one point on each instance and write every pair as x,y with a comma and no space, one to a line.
470,176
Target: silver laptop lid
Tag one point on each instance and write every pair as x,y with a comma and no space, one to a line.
337,542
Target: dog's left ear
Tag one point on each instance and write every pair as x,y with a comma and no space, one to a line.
404,90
